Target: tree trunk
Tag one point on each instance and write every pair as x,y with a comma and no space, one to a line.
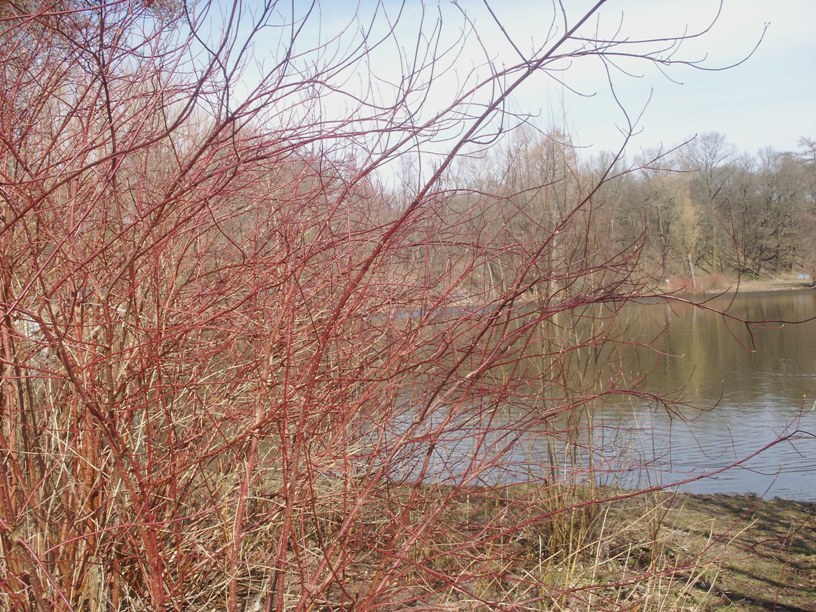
691,271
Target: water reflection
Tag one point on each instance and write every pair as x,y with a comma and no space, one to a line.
753,384
749,385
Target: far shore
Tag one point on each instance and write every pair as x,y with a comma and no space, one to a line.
715,285
767,285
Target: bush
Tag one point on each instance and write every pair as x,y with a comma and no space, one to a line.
241,368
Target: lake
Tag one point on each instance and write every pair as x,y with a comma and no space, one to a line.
739,388
749,387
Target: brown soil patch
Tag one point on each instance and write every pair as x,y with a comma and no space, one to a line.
767,550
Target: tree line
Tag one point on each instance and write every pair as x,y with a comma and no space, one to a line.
700,210
710,209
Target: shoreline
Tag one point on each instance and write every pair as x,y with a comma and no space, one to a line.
705,552
741,287
768,286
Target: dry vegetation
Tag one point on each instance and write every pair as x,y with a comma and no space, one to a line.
764,550
231,356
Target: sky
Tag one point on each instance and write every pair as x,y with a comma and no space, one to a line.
767,101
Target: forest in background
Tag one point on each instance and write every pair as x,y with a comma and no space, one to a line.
701,211
230,354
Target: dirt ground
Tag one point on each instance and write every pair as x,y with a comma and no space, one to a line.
766,548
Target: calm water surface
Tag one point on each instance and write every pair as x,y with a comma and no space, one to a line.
741,387
750,386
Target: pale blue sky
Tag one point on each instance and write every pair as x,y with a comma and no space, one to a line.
770,100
